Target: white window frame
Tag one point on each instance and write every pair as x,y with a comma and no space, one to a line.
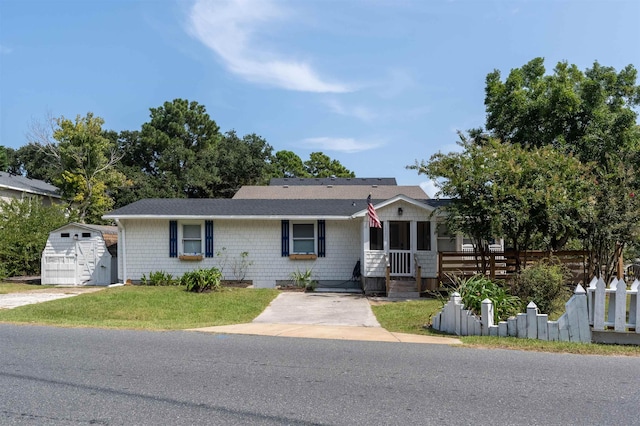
315,237
181,238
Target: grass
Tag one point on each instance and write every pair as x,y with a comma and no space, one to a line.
411,316
407,317
147,308
542,346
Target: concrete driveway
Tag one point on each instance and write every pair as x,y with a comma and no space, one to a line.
319,309
13,300
323,316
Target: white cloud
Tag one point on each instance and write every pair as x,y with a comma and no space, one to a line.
228,28
348,145
430,188
360,112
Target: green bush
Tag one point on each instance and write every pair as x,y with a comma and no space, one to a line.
24,229
543,284
202,280
159,278
477,288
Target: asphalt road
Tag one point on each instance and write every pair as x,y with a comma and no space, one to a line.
58,376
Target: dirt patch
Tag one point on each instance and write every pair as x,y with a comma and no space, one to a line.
65,290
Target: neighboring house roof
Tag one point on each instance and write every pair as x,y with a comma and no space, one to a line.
331,181
177,208
24,184
326,192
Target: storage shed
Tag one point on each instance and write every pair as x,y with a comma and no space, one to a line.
79,254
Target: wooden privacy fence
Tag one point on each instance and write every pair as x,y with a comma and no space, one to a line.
502,265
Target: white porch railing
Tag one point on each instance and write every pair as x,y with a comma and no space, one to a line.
401,263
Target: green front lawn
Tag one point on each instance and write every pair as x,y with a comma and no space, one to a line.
407,317
149,308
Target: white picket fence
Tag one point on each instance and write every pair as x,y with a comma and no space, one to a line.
583,310
616,298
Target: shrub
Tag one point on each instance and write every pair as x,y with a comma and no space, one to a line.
543,284
241,265
477,288
304,279
159,278
202,280
24,229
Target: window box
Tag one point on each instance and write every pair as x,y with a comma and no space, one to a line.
190,257
303,256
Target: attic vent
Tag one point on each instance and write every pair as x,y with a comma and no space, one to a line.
64,235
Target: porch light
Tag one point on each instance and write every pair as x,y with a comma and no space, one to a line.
75,236
399,211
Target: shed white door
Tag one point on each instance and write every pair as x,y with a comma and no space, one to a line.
85,262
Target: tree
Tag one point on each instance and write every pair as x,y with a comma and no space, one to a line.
24,229
35,162
175,152
504,189
86,161
320,165
286,164
245,161
4,159
590,115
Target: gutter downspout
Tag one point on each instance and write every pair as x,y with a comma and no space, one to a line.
124,250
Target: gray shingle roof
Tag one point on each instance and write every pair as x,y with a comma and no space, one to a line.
332,181
32,186
207,207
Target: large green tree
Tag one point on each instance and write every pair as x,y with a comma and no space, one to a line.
526,195
4,159
321,165
592,115
87,160
174,154
288,164
245,161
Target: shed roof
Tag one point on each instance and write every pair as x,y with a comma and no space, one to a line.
24,184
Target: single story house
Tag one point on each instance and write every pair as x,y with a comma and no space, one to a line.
20,187
80,254
290,225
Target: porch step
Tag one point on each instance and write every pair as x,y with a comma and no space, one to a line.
403,289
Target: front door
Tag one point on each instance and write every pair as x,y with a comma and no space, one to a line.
400,256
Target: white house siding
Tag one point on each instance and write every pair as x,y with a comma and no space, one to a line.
59,258
7,195
375,261
147,250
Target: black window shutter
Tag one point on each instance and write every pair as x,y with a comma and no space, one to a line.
321,238
208,238
285,238
173,238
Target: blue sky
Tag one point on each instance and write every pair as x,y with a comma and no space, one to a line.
374,84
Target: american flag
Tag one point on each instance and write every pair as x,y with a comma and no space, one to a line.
374,222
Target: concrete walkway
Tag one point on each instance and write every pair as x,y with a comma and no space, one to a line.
323,316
